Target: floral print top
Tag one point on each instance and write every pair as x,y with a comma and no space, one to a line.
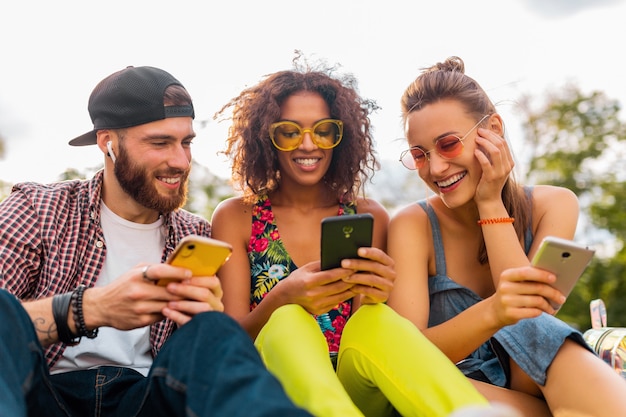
270,262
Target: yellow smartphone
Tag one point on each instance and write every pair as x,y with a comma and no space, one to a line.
203,255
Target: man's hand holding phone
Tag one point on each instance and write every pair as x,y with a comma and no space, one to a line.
202,291
202,255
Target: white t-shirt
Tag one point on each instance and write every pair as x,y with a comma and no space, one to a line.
128,244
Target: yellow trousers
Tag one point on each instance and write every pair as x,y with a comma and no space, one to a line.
386,366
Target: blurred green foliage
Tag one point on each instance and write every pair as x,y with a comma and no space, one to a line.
576,140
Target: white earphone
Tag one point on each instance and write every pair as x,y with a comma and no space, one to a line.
111,153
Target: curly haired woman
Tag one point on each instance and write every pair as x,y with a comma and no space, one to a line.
301,149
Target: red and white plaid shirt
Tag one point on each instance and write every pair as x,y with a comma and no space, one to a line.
51,241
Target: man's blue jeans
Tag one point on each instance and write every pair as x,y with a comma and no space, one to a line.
209,367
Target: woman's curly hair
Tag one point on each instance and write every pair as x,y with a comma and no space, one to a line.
254,159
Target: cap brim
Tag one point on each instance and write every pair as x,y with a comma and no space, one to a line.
88,138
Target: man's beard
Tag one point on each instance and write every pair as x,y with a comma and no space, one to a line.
136,183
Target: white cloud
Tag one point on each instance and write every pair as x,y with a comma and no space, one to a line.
562,8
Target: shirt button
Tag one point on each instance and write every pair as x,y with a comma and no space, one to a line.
99,244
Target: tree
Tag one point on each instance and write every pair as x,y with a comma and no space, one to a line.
206,190
577,141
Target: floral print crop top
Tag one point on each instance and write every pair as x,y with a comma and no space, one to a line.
270,262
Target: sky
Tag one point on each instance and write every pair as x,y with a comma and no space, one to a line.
52,54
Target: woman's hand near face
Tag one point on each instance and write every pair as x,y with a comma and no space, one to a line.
496,160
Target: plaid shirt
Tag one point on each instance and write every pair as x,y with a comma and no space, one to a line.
51,241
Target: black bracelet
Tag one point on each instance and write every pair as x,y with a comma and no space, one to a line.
77,310
60,310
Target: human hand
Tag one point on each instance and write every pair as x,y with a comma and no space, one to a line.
315,290
132,300
496,161
195,295
373,276
524,292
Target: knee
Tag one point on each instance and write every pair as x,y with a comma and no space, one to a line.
211,323
287,322
288,317
16,325
379,322
11,309
372,317
6,298
210,329
210,343
288,312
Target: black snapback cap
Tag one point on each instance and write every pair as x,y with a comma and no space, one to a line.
130,97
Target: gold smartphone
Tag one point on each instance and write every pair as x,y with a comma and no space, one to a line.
564,258
202,255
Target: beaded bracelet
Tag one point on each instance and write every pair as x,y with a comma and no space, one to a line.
495,220
60,310
77,311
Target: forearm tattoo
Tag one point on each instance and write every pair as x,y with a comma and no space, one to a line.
46,331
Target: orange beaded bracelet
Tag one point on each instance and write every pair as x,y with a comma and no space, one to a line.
495,220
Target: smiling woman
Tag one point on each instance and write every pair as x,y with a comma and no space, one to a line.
462,257
447,146
288,136
301,149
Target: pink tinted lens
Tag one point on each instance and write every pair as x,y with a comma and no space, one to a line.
449,147
418,156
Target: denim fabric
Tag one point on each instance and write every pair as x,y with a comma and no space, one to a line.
208,367
531,343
